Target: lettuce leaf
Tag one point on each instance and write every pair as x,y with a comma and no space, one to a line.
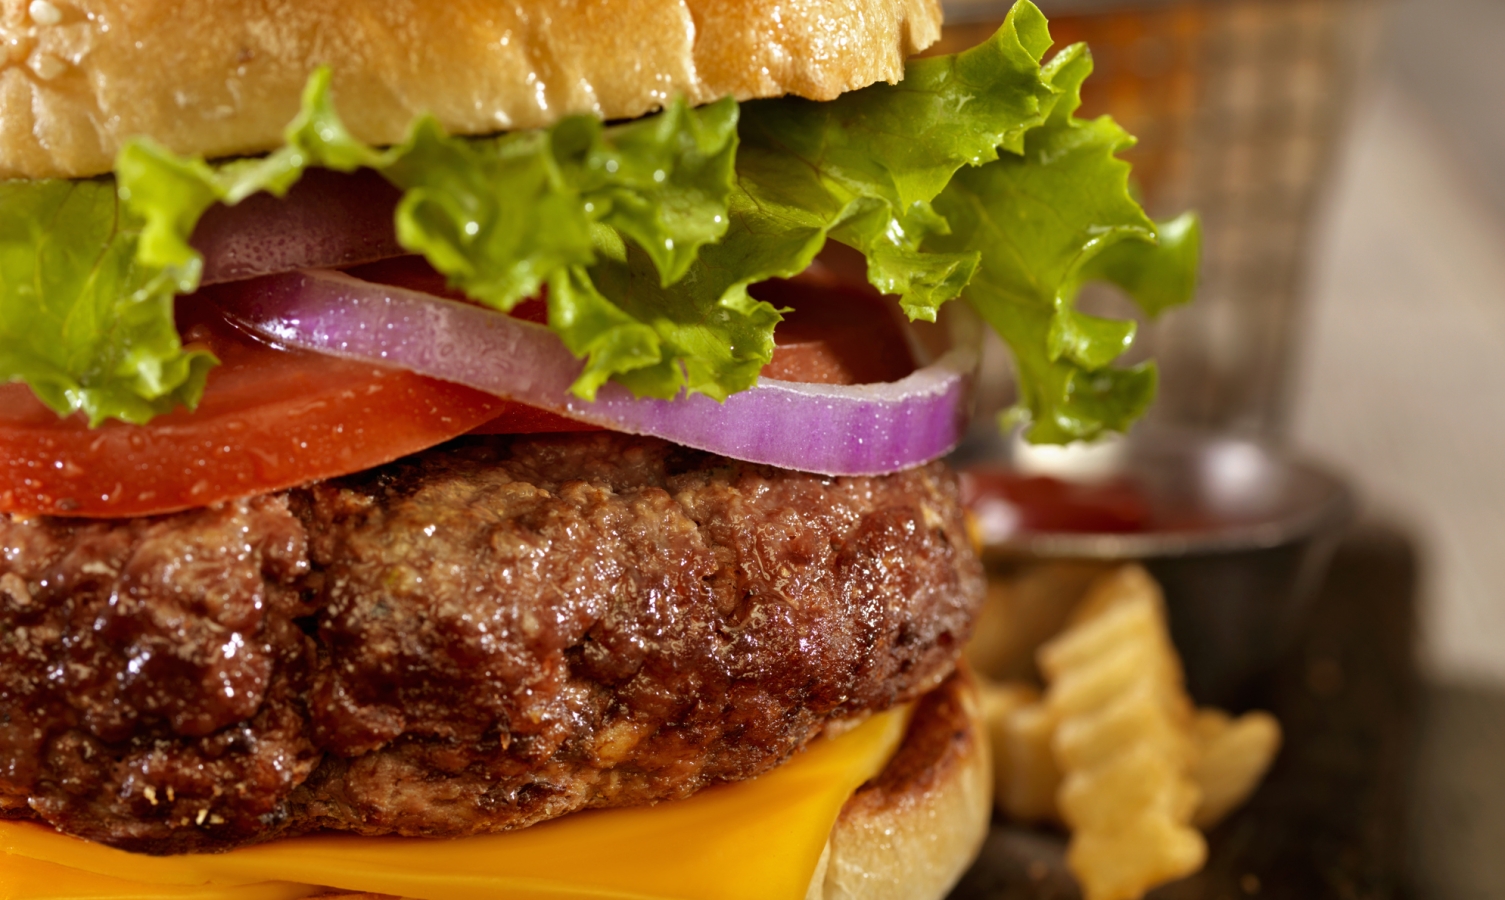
972,171
971,177
861,169
504,216
1045,222
82,321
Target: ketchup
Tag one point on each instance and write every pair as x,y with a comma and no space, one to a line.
1041,503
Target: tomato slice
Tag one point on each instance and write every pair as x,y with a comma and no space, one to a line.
270,419
834,333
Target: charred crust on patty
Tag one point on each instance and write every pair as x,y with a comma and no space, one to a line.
480,637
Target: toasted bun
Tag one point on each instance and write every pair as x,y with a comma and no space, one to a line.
223,77
910,833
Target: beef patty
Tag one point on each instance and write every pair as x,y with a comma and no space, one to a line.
480,637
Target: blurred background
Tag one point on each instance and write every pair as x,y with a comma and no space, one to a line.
1399,378
1348,159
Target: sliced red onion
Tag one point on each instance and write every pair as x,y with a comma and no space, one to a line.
327,220
828,429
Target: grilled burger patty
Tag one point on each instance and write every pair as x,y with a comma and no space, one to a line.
483,636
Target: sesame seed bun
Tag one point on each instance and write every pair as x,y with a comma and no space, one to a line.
223,77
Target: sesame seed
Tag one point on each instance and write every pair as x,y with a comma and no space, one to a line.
46,66
44,13
151,794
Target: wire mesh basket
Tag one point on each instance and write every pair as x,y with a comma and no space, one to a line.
1238,106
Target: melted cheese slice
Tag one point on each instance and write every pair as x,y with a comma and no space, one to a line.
754,840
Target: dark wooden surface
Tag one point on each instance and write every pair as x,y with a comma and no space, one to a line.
1330,819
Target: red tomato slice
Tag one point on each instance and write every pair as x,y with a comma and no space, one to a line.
270,419
834,333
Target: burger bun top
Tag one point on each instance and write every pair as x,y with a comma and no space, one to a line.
223,77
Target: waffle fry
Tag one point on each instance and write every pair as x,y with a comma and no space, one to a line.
1146,851
1114,749
1025,777
1023,610
1123,741
1232,757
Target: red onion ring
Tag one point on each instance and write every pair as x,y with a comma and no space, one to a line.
327,220
867,429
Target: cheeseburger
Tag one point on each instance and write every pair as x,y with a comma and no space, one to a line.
493,449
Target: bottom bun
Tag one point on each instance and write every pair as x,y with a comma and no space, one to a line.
911,832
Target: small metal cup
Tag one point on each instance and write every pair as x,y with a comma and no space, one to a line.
1241,536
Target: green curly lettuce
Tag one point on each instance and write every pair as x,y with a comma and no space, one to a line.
863,170
83,321
1046,221
970,178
